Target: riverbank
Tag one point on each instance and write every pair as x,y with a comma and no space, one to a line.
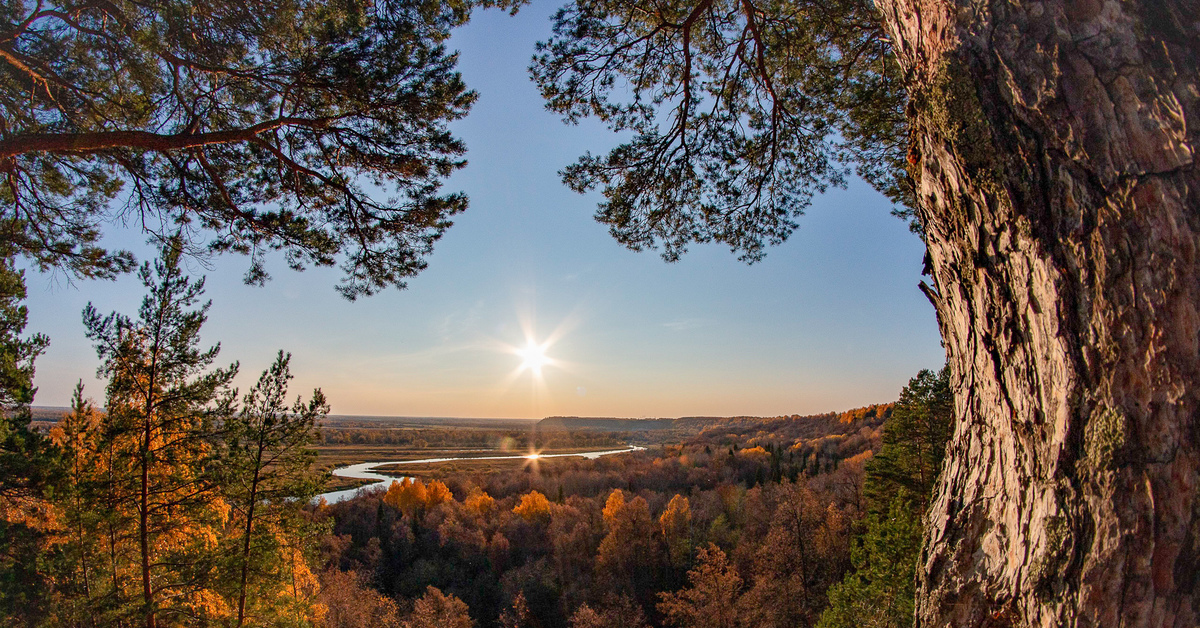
379,474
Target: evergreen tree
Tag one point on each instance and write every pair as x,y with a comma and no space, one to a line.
85,588
162,398
250,120
880,589
879,592
23,451
28,465
266,477
914,442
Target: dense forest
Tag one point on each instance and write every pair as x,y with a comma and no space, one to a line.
184,502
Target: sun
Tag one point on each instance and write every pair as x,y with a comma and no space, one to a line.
533,358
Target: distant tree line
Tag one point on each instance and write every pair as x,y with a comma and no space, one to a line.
468,438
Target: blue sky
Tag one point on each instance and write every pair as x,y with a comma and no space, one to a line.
830,320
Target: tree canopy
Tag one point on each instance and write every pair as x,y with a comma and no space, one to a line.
740,111
314,128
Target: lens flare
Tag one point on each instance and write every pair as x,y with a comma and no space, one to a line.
533,358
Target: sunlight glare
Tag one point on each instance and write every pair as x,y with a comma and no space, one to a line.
533,358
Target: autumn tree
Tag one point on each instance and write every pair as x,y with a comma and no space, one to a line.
266,478
627,559
162,399
676,525
350,602
616,611
435,609
314,128
533,507
518,614
805,551
407,495
1046,153
711,598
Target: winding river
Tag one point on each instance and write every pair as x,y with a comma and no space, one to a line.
365,470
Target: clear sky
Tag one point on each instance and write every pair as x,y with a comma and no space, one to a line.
830,320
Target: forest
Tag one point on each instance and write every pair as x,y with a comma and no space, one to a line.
1044,153
182,502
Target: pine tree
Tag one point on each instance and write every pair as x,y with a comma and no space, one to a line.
900,478
266,478
879,593
84,587
914,442
28,465
161,401
262,124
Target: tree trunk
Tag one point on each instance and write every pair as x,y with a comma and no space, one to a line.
1053,152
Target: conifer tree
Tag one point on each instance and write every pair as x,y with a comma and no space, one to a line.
267,478
914,442
85,586
880,589
27,463
161,400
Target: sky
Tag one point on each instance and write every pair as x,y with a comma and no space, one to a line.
830,320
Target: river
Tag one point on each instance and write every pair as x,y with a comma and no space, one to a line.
364,470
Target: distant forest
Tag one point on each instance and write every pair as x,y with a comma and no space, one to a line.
749,522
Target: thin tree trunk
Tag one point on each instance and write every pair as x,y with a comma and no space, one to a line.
144,529
1053,152
249,529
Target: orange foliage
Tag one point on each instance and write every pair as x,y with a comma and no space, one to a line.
676,523
479,502
614,507
533,507
437,493
755,452
407,495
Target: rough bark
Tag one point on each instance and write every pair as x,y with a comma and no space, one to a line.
1053,150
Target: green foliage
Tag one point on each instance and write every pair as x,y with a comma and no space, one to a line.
914,442
28,465
879,592
266,477
162,398
740,111
899,479
23,466
316,128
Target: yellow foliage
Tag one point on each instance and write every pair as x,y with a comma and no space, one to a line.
437,493
614,506
407,495
755,452
479,502
676,523
533,506
677,517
